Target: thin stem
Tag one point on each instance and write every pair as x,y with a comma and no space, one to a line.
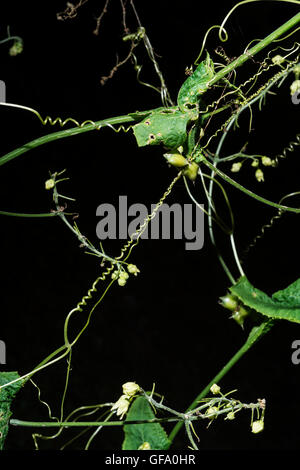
247,191
236,255
255,49
19,214
63,134
255,334
72,424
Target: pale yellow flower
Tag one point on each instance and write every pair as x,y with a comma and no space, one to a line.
259,175
49,184
130,389
121,406
145,446
257,426
215,389
266,161
132,269
236,167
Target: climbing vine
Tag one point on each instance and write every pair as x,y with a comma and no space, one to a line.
190,133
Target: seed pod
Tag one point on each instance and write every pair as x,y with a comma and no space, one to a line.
191,171
229,301
176,159
239,315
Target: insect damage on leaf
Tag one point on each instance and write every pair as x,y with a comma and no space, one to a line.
167,126
195,85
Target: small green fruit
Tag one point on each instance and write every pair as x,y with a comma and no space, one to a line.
191,171
176,159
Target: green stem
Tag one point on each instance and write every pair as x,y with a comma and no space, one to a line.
247,191
255,334
70,424
62,134
19,214
255,49
122,119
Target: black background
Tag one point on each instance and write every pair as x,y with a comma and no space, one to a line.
166,326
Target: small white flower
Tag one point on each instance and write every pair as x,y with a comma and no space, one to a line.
266,161
132,269
259,175
121,406
130,389
211,411
257,426
124,275
255,162
215,389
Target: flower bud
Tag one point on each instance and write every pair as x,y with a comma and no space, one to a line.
49,184
124,275
211,411
145,446
230,415
236,167
122,281
215,389
16,48
130,388
266,161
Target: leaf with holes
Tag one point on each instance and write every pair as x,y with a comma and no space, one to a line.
167,126
195,85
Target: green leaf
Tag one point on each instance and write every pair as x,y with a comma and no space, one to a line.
138,434
283,305
195,85
7,395
165,126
